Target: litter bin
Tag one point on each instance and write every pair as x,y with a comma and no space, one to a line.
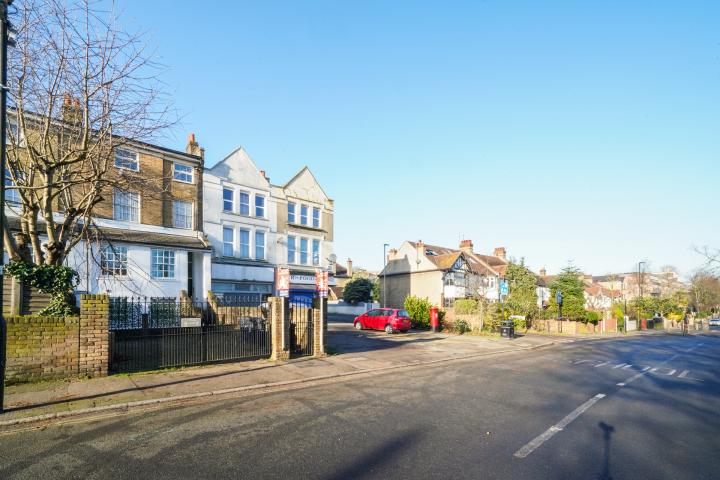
507,329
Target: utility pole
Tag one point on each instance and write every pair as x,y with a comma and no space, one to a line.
640,282
5,28
385,246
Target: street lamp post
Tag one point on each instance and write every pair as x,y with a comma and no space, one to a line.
640,292
385,246
4,31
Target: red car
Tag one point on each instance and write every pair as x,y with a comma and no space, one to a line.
388,319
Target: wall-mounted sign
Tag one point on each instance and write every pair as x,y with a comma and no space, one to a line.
321,283
282,282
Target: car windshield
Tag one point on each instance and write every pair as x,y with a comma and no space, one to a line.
403,313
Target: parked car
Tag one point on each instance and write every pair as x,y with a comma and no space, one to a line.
714,322
388,319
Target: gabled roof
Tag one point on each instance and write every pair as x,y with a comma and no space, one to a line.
305,171
235,168
479,264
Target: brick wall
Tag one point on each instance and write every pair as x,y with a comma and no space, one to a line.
94,335
42,348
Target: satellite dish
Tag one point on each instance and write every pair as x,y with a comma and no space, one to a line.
332,257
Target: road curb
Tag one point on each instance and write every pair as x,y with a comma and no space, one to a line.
139,405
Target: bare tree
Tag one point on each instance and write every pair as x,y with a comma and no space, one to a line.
712,258
79,87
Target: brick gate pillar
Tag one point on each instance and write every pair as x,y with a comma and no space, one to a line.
280,327
319,329
93,358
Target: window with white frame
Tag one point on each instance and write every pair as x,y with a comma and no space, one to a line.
291,249
244,203
125,158
126,206
316,252
259,245
303,251
259,206
113,260
228,241
316,217
245,243
228,200
291,212
303,215
163,263
15,136
182,214
182,173
12,196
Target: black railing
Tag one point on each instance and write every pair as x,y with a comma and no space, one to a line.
301,327
154,333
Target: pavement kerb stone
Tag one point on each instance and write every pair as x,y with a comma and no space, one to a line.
179,399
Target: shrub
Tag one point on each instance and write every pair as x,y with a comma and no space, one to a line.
520,323
466,306
418,309
592,317
461,327
358,290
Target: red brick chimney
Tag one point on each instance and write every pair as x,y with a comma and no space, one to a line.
193,148
500,252
466,246
349,268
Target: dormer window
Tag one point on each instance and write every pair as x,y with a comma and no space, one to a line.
430,252
127,159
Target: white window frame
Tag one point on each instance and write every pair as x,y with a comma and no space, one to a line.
12,195
241,245
189,174
232,199
124,166
315,254
319,214
241,204
17,133
114,261
260,246
304,218
259,208
231,243
129,205
305,260
188,217
293,258
169,261
292,213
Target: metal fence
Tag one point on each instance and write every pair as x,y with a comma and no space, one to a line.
301,328
153,333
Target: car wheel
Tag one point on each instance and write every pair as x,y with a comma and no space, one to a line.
358,326
388,329
403,331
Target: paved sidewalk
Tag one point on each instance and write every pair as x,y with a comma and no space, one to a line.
352,352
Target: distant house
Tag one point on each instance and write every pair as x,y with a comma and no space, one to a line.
441,274
343,274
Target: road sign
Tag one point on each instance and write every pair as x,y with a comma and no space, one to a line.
503,287
321,282
282,282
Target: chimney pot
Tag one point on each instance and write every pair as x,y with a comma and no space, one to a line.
349,268
500,252
191,138
466,246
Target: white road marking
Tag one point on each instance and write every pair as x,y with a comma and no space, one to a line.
547,434
601,364
621,365
684,375
621,384
644,371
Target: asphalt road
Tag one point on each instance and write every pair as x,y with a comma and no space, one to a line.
641,408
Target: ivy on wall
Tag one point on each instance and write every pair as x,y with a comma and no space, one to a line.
58,281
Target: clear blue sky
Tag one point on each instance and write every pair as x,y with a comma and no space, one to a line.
561,130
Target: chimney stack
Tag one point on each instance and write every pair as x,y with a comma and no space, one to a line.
349,268
262,172
466,246
70,110
500,252
193,148
543,272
